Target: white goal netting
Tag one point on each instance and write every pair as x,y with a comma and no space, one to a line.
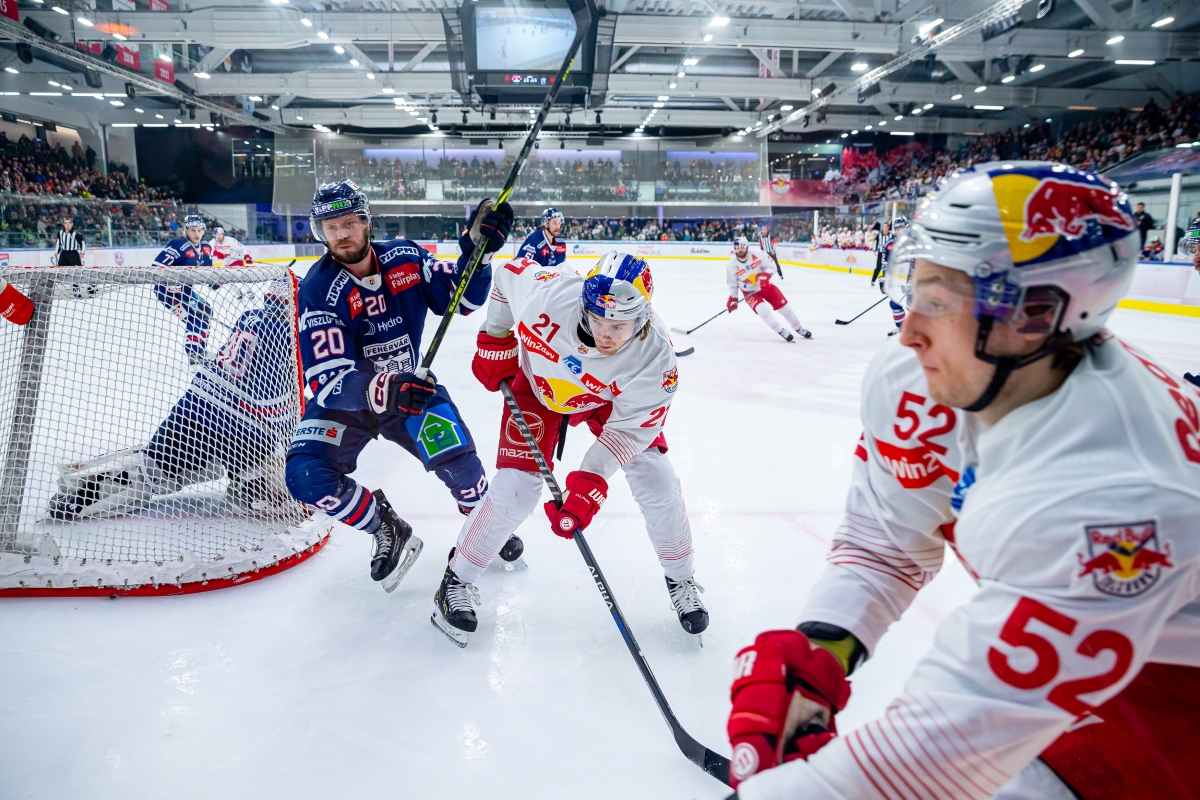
144,418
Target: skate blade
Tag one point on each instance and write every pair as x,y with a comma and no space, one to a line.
509,566
700,640
460,638
412,549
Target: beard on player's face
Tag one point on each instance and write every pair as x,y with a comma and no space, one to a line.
351,249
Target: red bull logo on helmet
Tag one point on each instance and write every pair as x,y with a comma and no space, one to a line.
1051,213
1124,560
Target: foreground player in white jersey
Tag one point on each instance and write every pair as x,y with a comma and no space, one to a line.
231,252
1076,503
584,351
753,277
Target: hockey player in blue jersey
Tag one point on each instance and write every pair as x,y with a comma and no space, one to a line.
543,245
184,301
362,309
238,411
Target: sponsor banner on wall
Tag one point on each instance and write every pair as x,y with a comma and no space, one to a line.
124,5
159,5
782,190
9,9
164,70
129,57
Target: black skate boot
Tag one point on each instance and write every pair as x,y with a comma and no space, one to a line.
786,334
685,597
454,608
805,332
396,549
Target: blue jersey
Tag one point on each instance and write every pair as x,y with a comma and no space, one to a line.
538,247
352,328
181,252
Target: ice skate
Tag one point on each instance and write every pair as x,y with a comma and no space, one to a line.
893,332
805,332
685,598
195,357
396,549
786,334
454,608
510,554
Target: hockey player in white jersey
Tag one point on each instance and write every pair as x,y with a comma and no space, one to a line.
580,351
1075,464
229,250
751,275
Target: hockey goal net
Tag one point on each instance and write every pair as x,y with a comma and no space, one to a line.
145,414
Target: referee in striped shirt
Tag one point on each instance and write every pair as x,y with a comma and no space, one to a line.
69,249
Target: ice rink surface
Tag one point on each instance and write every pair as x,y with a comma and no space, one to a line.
316,684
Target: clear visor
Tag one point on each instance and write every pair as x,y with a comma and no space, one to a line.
343,227
927,293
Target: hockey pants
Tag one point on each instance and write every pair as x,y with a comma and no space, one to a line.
515,494
196,313
327,443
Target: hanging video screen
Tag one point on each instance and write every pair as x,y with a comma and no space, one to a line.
522,40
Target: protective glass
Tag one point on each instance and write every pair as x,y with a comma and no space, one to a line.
342,227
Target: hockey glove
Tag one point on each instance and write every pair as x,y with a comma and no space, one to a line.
586,493
785,694
14,306
731,305
400,393
492,228
495,359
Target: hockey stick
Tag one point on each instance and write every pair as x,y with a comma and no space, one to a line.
848,321
686,352
710,319
509,184
714,764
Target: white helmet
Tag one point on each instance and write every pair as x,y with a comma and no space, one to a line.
741,241
218,231
1031,235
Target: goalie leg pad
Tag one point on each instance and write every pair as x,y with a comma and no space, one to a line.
113,484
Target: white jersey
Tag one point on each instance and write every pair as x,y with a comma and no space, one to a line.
744,274
570,376
230,251
1078,522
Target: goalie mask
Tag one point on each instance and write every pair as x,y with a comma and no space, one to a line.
334,200
1047,246
618,288
1190,244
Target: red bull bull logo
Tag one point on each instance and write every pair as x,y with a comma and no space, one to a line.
670,381
566,397
1063,208
1124,560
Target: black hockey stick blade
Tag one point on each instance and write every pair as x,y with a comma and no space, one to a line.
848,321
713,763
686,352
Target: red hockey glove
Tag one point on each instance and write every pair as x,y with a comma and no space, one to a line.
785,694
14,306
731,305
400,393
495,359
586,492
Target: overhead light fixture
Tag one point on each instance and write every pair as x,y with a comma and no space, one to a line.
883,123
916,111
1162,22
322,35
116,103
786,108
898,117
299,118
306,22
854,133
979,89
928,26
927,106
658,105
274,106
60,10
370,76
868,127
138,110
201,75
956,97
82,20
1116,39
1008,79
989,108
1136,62
844,135
708,37
54,83
672,85
859,67
158,116
662,98
390,90
337,48
904,133
719,22
118,37
12,70
1037,68
680,74
164,57
1075,53
354,62
66,87
691,62
255,98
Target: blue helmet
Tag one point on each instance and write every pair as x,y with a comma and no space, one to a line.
900,221
552,213
619,287
194,221
338,199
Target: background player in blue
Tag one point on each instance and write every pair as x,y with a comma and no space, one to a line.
183,301
887,242
237,412
543,245
362,309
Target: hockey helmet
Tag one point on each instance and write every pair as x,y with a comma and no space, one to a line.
619,287
1046,245
552,213
333,200
218,231
1190,243
741,241
899,222
277,298
194,221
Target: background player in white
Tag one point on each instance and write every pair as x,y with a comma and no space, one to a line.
1076,517
591,351
747,272
229,250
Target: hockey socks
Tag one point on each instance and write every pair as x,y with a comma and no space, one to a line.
773,322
